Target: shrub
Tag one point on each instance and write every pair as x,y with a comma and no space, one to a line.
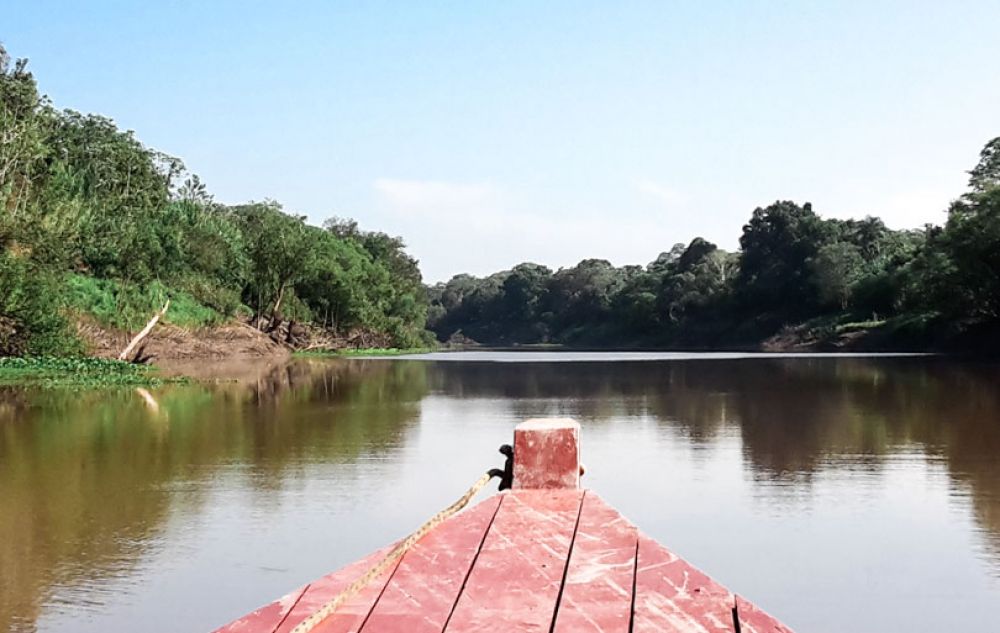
31,316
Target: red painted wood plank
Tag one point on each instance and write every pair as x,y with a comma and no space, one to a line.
671,595
423,591
597,595
515,582
753,620
266,618
350,615
289,608
547,454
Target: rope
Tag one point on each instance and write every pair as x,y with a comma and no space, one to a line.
376,570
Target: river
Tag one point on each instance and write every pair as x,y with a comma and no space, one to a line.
839,493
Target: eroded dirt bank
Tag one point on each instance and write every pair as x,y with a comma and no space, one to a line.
169,343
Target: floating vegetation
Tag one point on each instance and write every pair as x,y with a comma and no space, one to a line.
86,372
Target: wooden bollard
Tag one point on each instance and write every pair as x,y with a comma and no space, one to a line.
547,454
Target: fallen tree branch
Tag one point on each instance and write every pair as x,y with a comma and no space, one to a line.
145,331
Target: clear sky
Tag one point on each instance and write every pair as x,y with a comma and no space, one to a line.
490,133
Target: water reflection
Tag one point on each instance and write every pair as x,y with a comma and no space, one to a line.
89,480
795,416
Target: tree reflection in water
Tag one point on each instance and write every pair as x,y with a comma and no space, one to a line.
91,480
795,416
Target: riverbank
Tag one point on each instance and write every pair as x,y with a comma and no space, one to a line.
820,335
913,334
366,351
187,352
87,372
231,341
228,341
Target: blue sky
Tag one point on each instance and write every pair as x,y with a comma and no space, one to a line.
490,133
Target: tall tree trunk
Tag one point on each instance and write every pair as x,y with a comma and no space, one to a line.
275,311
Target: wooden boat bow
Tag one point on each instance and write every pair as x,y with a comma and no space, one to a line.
544,556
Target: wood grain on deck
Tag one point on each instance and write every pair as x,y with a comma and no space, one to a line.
554,561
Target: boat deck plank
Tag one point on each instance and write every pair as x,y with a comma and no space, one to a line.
353,612
422,593
525,560
597,593
754,620
671,595
516,582
543,557
268,617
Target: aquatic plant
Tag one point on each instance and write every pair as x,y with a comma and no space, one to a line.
79,371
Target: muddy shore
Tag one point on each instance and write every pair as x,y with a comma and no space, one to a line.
169,344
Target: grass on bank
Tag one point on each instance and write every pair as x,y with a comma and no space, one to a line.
129,306
87,372
368,351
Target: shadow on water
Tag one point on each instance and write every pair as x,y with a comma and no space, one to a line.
88,479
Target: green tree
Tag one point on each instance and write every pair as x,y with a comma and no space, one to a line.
971,239
280,249
395,278
25,117
697,282
777,246
837,267
986,174
523,297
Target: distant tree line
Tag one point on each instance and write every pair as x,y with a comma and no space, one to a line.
87,208
793,267
93,222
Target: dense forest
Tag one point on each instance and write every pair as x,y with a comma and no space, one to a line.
96,226
797,277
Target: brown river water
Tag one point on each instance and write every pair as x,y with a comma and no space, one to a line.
855,494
